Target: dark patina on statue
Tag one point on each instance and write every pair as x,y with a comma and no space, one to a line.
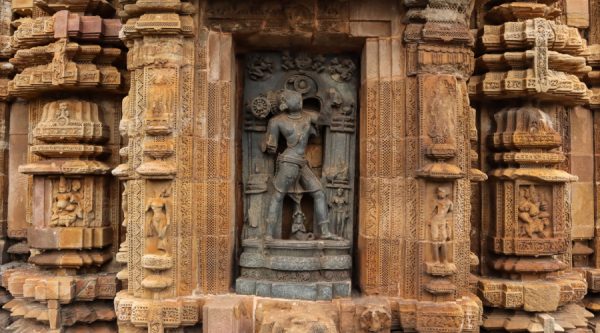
298,140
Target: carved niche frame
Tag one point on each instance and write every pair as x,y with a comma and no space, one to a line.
329,87
248,29
247,51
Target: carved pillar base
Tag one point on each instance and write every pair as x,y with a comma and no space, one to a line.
570,317
233,313
309,270
156,315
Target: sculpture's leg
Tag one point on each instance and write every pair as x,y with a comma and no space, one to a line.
528,230
444,252
320,206
435,237
283,181
321,214
273,220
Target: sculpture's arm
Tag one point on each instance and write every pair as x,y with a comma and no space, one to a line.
269,144
433,214
315,117
166,214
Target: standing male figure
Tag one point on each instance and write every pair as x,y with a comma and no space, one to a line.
440,229
293,175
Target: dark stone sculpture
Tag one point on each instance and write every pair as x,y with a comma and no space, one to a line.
298,140
293,175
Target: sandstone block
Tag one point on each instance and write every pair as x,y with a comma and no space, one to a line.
226,314
539,297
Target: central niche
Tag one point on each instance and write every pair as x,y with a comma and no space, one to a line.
298,147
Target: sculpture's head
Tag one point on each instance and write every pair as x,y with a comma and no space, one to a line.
290,101
442,193
63,109
62,185
75,185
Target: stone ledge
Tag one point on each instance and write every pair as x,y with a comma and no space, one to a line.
294,290
532,296
236,313
76,238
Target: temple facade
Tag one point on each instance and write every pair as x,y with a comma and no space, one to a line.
299,166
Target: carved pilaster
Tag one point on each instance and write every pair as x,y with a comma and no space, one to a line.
65,76
592,257
440,62
157,123
534,65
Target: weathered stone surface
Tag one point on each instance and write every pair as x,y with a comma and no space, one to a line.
226,314
540,297
272,316
335,164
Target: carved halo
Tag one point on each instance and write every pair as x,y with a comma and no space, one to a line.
301,83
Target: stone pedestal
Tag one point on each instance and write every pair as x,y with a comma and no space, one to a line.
309,270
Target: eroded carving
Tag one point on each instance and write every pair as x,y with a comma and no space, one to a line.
534,212
440,225
159,221
66,208
260,68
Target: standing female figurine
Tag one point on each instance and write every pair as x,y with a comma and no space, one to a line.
338,206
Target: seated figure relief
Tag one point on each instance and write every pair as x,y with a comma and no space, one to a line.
66,209
533,213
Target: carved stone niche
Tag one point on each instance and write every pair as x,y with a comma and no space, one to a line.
438,246
70,213
298,175
70,217
528,193
157,259
440,108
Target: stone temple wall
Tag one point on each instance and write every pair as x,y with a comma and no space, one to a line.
299,166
